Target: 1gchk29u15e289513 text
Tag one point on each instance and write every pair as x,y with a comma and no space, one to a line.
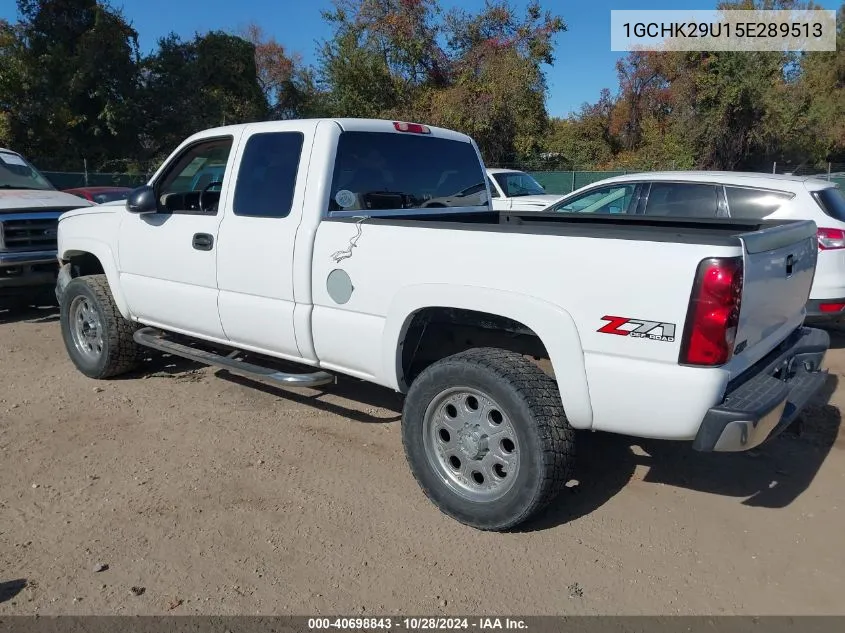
724,29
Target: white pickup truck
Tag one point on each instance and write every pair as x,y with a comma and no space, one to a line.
514,190
314,246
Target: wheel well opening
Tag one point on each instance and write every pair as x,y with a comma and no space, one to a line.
435,333
84,264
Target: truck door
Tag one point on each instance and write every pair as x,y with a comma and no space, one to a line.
256,250
168,259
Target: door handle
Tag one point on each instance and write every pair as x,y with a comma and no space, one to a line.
203,241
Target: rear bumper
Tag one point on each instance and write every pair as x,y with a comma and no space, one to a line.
763,401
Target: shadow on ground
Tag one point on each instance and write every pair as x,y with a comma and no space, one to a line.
46,314
349,388
837,335
771,476
11,588
158,365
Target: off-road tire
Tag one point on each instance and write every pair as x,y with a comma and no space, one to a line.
120,353
532,401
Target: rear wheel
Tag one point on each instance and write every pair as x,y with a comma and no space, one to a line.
97,337
486,437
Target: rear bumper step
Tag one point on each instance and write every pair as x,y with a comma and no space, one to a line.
768,399
156,339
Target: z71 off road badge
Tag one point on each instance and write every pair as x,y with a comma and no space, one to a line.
639,328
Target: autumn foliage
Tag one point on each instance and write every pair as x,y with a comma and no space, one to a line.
713,110
74,86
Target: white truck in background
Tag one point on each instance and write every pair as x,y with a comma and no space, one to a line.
29,217
514,190
315,247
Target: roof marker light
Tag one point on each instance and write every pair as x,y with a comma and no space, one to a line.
414,128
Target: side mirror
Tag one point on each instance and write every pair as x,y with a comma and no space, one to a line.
142,200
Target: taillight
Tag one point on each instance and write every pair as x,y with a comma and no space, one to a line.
414,128
831,307
830,239
713,313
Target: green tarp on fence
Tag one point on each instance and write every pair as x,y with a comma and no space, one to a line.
566,181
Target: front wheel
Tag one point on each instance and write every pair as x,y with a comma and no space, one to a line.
97,337
486,437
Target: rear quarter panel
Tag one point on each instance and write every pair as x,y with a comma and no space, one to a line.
562,287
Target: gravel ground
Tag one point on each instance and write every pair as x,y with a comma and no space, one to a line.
184,490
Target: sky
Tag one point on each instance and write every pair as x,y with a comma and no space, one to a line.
584,62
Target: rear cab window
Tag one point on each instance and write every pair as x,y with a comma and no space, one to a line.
832,202
395,171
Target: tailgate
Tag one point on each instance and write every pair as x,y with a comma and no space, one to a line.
780,263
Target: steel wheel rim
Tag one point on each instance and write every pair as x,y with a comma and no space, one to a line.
473,449
86,329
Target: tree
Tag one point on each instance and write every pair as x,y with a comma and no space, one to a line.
12,80
208,81
822,86
585,139
73,85
719,109
289,86
68,82
498,90
480,74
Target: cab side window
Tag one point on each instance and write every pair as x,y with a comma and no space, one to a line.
609,199
267,175
494,193
680,199
193,183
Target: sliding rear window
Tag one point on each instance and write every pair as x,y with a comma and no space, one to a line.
386,171
832,202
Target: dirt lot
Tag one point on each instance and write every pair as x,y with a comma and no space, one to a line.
218,496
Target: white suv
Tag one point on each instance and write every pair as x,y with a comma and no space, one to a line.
734,195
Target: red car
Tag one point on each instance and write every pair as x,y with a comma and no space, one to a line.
101,194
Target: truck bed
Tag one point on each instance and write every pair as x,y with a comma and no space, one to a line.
711,231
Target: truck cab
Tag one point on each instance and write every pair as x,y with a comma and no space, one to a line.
29,216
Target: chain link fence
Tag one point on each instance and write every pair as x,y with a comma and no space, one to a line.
562,182
555,182
74,179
